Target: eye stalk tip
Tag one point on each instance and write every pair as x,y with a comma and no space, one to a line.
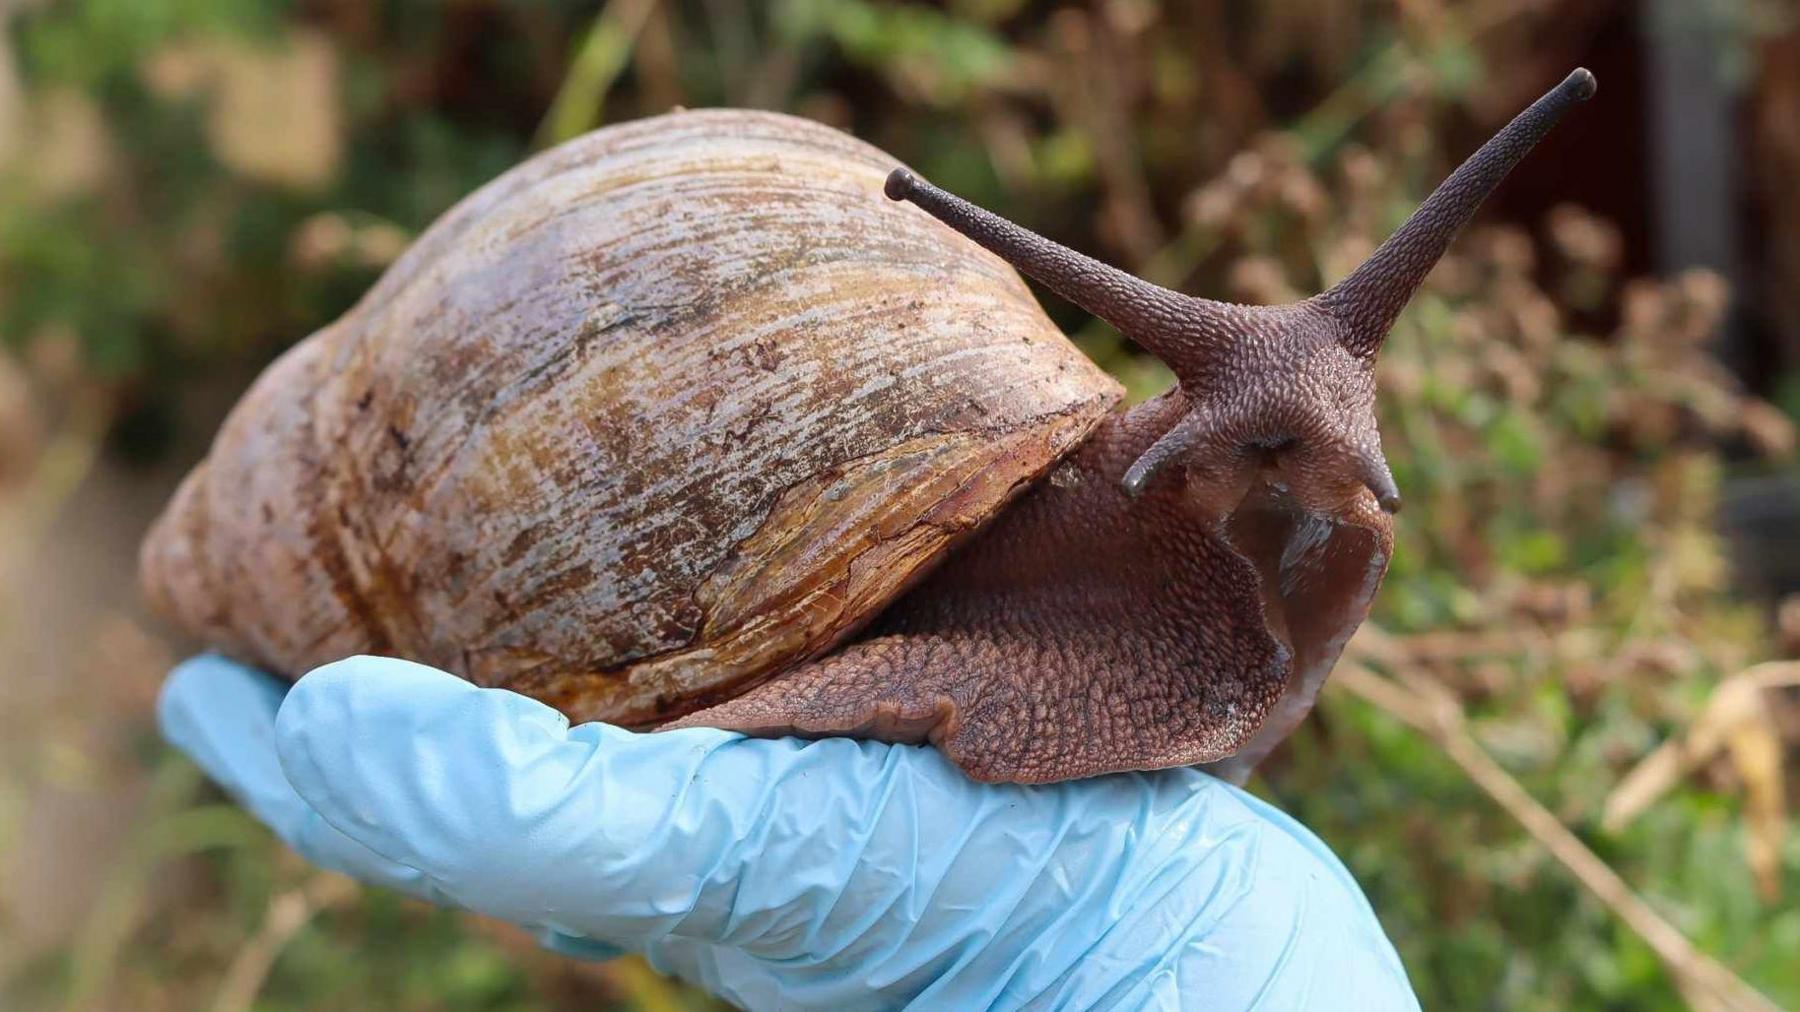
1581,84
1134,481
1378,479
900,184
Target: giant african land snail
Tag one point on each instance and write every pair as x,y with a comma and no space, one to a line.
683,423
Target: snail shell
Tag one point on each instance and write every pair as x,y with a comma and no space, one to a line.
658,413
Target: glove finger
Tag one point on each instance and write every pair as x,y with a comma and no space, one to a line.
490,794
222,715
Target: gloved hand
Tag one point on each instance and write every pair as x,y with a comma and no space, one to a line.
835,874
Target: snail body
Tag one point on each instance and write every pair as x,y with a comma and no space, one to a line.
684,423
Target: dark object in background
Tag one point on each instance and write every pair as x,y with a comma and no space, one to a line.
1761,518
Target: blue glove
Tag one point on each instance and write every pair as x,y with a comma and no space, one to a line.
785,873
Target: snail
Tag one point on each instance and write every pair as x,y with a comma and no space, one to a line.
684,423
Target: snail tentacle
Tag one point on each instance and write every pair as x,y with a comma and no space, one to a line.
1182,330
1178,442
1372,296
1378,478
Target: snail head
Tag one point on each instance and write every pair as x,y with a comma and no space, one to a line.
1284,390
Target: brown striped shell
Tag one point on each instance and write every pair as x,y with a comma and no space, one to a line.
656,414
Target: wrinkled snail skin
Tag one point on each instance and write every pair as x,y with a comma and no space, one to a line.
683,424
1113,620
1087,632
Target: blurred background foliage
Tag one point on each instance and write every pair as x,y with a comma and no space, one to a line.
1589,610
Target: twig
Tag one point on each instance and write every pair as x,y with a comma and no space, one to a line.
644,987
287,913
1429,709
1328,122
1101,110
628,977
119,906
61,469
604,54
1736,721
